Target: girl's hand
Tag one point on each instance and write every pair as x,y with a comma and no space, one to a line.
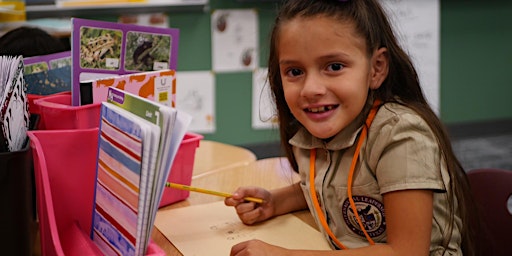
256,247
250,212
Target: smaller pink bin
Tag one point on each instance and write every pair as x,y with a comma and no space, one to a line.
57,113
65,174
34,109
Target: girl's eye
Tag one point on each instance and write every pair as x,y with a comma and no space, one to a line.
294,72
335,67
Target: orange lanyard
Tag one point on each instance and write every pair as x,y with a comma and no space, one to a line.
312,189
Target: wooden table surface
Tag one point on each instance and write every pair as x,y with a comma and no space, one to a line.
269,173
211,156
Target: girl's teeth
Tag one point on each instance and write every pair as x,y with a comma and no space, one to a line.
320,109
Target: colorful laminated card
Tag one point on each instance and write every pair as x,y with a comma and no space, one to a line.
46,62
158,86
103,49
48,74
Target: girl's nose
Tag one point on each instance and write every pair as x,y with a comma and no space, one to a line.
313,86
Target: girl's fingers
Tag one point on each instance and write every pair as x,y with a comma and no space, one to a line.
245,207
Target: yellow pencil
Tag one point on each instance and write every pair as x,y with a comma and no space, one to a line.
210,192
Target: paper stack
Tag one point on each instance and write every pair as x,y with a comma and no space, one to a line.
137,145
14,115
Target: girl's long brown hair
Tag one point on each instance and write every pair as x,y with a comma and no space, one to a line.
402,82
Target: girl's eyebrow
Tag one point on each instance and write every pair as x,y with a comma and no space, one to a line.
335,55
325,57
286,62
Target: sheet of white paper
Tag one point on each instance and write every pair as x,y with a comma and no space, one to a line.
264,113
234,40
212,229
417,25
195,95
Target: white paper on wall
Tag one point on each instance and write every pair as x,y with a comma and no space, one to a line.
417,25
234,40
264,115
195,95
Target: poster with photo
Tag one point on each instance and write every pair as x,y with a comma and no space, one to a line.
103,49
48,74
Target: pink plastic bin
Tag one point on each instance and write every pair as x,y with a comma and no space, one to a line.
65,171
34,109
57,113
181,169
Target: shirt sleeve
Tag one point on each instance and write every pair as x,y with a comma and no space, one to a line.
403,152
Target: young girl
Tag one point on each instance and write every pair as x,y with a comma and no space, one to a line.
377,170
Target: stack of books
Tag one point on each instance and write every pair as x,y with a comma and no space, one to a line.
137,144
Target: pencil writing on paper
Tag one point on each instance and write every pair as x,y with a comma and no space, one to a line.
210,192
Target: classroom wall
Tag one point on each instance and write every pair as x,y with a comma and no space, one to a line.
476,59
233,90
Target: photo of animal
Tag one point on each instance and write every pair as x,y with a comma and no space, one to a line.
146,51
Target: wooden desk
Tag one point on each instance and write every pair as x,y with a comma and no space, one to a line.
269,173
211,156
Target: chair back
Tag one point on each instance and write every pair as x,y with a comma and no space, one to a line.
492,189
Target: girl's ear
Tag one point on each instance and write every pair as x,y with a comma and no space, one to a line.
380,67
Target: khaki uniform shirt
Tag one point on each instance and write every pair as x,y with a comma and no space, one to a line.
400,153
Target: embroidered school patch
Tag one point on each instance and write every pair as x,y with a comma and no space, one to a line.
370,211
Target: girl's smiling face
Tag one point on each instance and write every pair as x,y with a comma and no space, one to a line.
326,72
